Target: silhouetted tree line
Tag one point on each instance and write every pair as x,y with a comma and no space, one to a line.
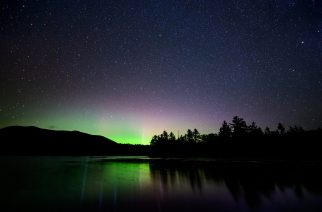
191,137
237,129
237,138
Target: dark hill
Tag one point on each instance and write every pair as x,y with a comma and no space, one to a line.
32,140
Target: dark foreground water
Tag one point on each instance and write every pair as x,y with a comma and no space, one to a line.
140,184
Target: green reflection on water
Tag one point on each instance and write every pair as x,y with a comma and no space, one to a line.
111,178
47,183
106,184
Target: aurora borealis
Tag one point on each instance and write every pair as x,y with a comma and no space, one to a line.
130,69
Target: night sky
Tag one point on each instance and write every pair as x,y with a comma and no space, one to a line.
131,69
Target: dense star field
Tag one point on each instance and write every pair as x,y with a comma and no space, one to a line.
131,69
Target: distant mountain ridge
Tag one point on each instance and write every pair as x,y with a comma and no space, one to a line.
32,140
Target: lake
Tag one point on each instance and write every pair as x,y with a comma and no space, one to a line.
144,184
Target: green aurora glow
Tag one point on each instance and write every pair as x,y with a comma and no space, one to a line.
123,127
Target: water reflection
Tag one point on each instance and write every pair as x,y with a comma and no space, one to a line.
251,183
91,184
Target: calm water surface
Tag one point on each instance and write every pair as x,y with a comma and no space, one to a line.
140,184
